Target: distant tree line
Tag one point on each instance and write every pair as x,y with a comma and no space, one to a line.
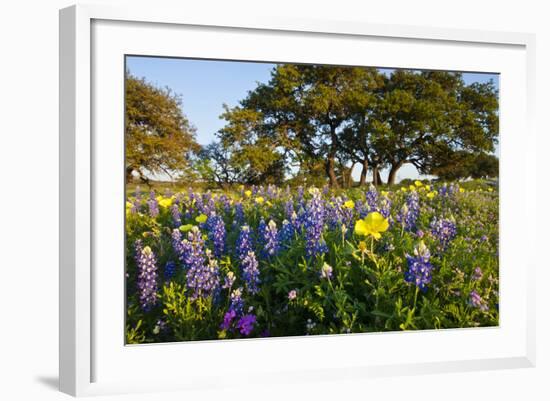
315,124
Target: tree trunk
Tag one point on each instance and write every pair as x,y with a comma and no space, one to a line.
329,165
393,172
376,176
364,170
129,171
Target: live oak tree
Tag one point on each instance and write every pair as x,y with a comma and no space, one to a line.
159,137
422,113
338,117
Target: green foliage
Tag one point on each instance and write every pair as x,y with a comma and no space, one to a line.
159,138
367,291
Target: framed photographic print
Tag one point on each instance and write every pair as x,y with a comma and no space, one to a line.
290,200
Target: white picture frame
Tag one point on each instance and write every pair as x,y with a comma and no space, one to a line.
93,361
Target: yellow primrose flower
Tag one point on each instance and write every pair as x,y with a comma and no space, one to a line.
373,224
268,203
411,187
428,188
490,189
431,195
259,200
248,193
186,227
201,218
349,204
362,246
461,190
418,183
129,205
384,193
165,202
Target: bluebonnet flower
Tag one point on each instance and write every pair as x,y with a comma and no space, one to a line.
408,215
153,205
169,270
447,190
229,280
146,276
289,209
176,217
270,239
246,324
286,234
385,206
444,230
477,274
202,269
237,303
361,209
333,213
300,194
477,302
371,199
239,213
136,203
251,273
326,271
180,248
260,234
244,243
419,267
314,222
216,233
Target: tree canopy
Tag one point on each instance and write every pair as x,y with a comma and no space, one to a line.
159,137
314,123
310,116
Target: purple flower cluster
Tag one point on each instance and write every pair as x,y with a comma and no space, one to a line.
245,325
408,215
444,230
419,267
371,197
270,239
216,233
146,276
289,209
239,213
237,302
448,190
176,216
244,243
251,273
202,274
153,205
477,274
314,222
385,206
286,233
169,270
476,301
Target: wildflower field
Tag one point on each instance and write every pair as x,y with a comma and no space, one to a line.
269,261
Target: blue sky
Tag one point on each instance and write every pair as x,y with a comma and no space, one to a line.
206,85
